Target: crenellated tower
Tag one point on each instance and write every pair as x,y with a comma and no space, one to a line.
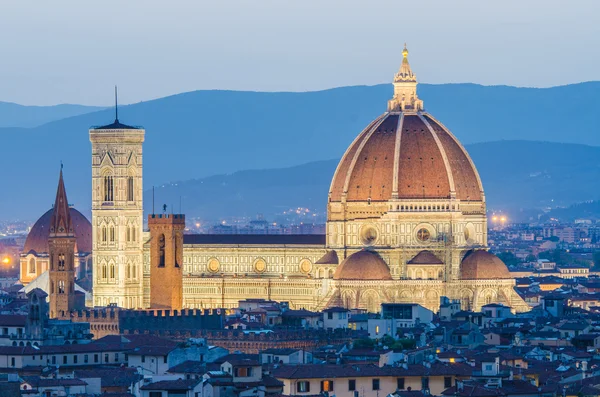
117,214
61,245
166,260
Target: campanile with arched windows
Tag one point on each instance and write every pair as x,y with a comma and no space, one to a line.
117,214
61,247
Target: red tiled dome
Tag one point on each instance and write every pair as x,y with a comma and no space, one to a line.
363,265
405,156
482,265
37,239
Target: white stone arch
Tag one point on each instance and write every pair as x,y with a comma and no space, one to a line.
348,299
405,296
487,296
419,273
31,264
466,299
321,273
370,300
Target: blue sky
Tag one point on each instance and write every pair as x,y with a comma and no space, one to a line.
73,51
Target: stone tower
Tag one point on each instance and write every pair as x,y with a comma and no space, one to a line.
61,245
117,214
166,260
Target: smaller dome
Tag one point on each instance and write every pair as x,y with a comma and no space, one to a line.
425,257
37,239
482,265
363,265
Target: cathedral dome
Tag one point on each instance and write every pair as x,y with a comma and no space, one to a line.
37,239
363,265
482,265
405,154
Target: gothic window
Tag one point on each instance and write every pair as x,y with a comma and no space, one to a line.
31,265
134,233
134,271
104,271
104,234
112,271
61,287
130,188
112,234
61,261
108,188
128,233
176,258
128,270
161,251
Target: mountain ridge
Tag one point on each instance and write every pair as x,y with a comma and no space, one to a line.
203,133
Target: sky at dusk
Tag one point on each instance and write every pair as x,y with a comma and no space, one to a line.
73,51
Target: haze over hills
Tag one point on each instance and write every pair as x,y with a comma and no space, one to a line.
559,174
202,133
15,115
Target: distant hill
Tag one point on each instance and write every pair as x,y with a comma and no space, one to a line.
14,115
202,133
517,175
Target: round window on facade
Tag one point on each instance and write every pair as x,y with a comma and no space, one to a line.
368,235
423,235
260,265
305,266
213,265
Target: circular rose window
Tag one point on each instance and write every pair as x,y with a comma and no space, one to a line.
260,265
305,266
213,265
368,235
423,235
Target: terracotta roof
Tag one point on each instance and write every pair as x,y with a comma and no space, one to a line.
37,239
330,258
368,168
254,239
482,265
425,257
116,125
363,265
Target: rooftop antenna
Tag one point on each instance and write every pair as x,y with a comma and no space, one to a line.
116,105
61,165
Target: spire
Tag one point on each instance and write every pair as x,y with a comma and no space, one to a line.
405,88
60,223
116,106
405,74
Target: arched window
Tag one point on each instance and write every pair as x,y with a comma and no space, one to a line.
128,273
161,250
112,270
32,265
104,234
104,275
108,188
61,261
112,234
61,287
330,273
134,271
128,233
133,233
130,188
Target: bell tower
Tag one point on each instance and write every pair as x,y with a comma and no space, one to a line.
117,214
166,260
61,248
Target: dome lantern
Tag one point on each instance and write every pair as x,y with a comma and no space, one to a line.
405,89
